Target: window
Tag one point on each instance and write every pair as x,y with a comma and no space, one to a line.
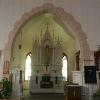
28,67
64,68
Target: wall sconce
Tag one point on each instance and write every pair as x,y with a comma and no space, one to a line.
20,45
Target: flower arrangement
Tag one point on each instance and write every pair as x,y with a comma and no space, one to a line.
5,93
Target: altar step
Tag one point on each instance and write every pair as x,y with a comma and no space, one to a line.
44,96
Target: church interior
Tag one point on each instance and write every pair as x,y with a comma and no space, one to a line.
50,49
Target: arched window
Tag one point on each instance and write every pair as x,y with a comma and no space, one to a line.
28,67
64,68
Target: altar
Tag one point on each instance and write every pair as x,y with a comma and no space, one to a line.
46,65
46,84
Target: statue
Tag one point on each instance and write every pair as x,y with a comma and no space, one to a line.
48,55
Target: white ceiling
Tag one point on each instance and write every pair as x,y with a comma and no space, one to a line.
36,26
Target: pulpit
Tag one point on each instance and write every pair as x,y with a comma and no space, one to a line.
73,92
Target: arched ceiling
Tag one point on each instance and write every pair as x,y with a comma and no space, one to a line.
36,27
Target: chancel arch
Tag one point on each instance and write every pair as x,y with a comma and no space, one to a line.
68,21
60,17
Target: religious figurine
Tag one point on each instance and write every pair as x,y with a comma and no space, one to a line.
48,55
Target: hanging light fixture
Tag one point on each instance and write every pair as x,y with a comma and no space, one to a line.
20,44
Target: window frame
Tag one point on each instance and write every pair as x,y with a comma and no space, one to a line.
64,55
28,54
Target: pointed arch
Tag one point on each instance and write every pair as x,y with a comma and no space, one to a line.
65,19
